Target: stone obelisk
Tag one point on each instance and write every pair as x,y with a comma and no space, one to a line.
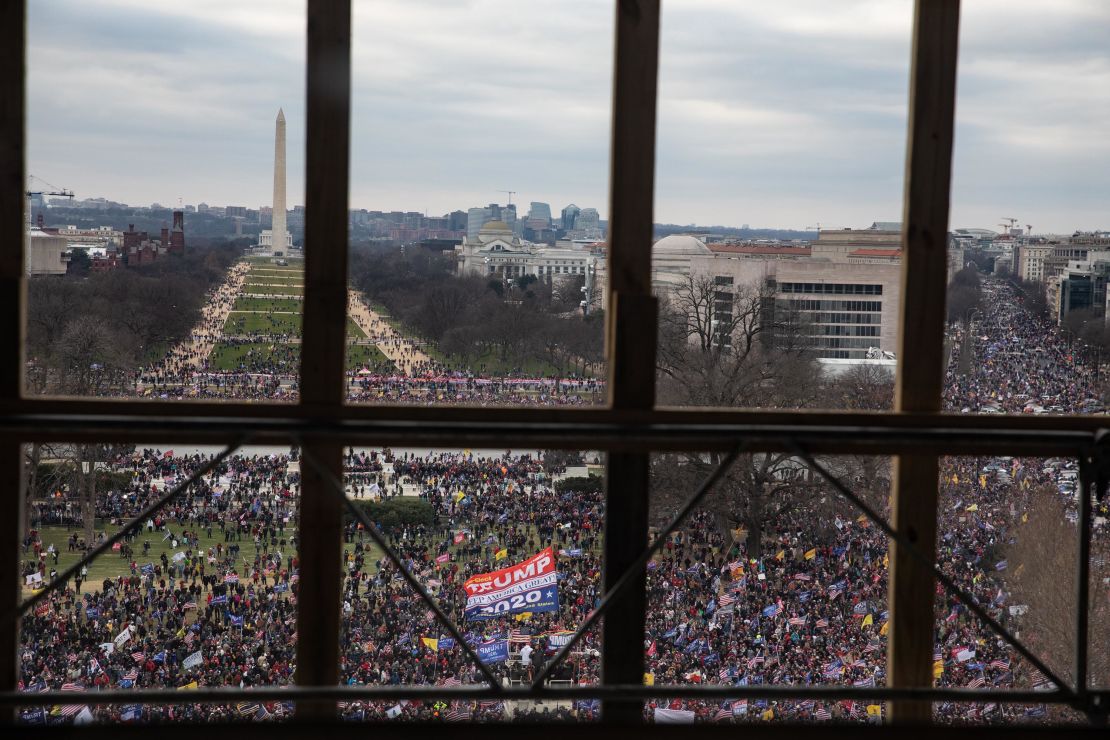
278,227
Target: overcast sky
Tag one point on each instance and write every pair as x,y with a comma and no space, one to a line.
783,114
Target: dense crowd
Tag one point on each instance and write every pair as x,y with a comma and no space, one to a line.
807,608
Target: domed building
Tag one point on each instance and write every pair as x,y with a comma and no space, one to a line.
671,257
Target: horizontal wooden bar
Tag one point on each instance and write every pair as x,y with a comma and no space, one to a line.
641,431
95,407
584,731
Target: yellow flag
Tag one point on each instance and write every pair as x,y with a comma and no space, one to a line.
982,481
768,715
780,554
938,669
523,616
811,554
884,628
955,478
973,507
1025,517
459,496
501,554
886,561
867,621
189,686
430,642
649,679
874,710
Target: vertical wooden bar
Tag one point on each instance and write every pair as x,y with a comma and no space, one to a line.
921,341
631,336
323,348
13,55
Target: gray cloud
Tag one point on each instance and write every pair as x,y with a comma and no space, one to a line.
782,114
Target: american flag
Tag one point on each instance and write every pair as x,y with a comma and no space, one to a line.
797,621
450,682
727,600
492,704
725,674
231,578
455,714
72,687
938,654
189,605
802,577
518,636
753,662
68,710
1002,665
835,591
822,713
977,683
189,637
131,675
821,623
868,683
138,657
723,713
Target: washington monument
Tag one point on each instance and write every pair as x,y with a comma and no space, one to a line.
278,225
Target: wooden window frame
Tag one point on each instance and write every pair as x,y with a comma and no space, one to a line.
628,427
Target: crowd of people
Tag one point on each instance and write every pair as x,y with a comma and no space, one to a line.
807,607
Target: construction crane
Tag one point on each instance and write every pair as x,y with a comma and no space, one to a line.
1029,229
1011,221
511,194
52,190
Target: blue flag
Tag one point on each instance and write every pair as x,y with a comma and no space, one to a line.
494,651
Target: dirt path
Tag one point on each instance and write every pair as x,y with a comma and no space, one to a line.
402,351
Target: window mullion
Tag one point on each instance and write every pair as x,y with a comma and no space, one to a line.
323,348
920,350
631,337
13,37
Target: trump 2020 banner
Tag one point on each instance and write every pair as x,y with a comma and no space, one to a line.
530,586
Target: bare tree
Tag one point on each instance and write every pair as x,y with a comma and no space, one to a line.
1042,553
719,347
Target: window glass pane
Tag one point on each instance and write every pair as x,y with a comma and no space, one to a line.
157,161
478,182
779,173
202,594
1027,298
1007,535
454,516
774,579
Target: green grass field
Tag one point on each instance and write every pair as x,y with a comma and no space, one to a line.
257,357
262,323
269,305
270,262
253,279
243,322
275,290
354,331
367,355
111,565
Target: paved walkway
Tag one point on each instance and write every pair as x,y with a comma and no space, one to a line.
191,353
404,353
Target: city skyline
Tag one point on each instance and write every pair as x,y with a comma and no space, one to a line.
783,130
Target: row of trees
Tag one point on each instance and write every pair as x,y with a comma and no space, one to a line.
523,323
87,335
